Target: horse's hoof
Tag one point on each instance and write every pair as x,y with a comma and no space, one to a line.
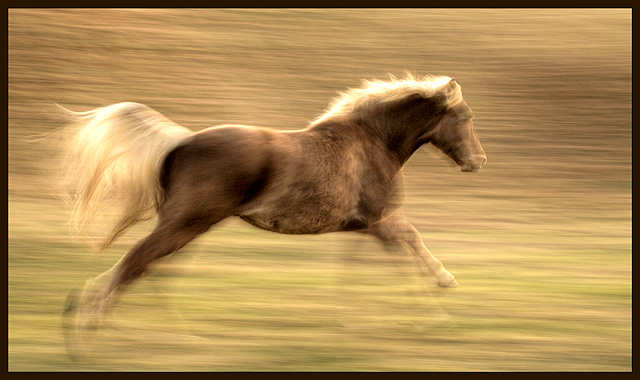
449,282
69,328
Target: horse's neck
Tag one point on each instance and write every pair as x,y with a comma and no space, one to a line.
346,134
401,136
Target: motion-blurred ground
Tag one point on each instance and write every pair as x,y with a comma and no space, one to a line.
540,240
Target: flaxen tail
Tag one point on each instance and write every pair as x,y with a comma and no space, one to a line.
115,154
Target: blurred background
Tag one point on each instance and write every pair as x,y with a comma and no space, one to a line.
540,239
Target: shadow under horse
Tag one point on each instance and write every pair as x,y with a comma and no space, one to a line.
343,172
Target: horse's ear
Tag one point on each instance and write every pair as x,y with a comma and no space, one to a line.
452,83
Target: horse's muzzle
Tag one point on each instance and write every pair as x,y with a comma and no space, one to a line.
474,163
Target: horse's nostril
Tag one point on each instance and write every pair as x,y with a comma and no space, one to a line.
479,160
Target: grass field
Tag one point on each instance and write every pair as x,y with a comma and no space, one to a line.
540,239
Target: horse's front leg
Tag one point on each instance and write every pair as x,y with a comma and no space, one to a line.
399,230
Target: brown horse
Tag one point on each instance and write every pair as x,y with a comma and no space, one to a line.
341,173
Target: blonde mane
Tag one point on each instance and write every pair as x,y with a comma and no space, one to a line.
377,92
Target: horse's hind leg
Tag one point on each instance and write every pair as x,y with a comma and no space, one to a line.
84,313
399,230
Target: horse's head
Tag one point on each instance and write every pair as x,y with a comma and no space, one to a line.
456,137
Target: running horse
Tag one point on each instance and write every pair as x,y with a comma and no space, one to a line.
343,172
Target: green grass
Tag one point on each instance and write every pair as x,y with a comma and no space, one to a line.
244,299
539,240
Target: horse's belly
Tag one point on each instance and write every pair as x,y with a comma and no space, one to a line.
294,224
304,206
295,214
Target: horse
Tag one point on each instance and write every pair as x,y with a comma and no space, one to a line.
342,172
